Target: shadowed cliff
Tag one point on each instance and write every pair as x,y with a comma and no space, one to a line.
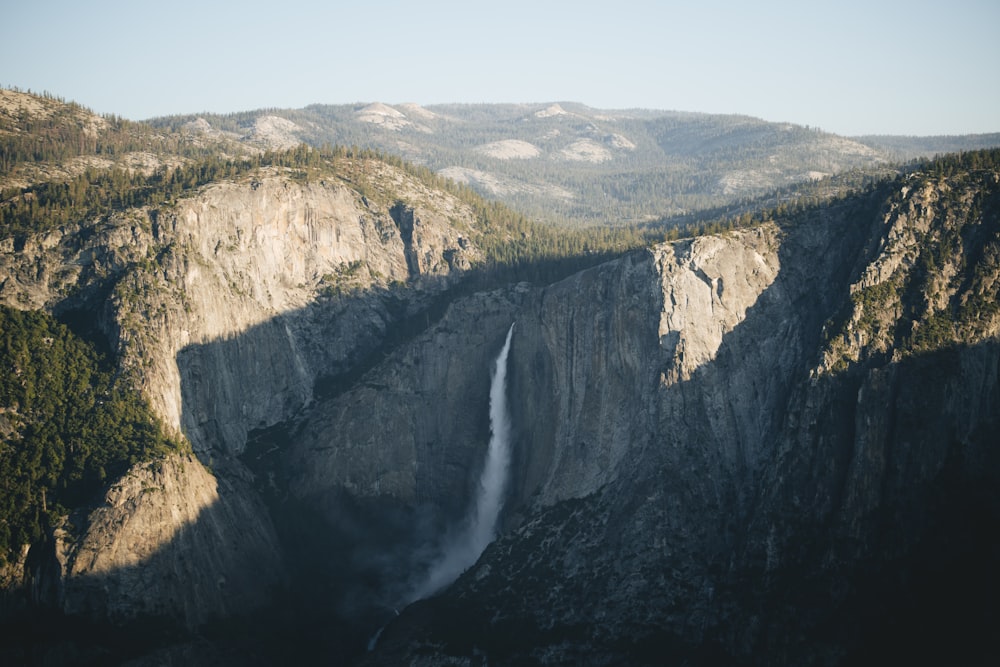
748,498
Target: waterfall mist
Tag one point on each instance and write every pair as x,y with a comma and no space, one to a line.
460,550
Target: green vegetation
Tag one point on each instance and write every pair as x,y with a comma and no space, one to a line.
514,246
508,239
949,292
877,306
953,292
96,192
903,148
653,164
70,130
68,427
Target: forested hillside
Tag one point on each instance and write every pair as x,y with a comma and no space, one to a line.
569,163
63,165
68,426
904,148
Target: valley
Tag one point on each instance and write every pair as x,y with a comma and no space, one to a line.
757,428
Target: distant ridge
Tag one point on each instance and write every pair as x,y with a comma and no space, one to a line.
908,148
568,163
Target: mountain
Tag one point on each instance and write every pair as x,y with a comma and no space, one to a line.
772,444
569,163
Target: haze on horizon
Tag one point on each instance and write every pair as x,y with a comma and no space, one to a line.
893,67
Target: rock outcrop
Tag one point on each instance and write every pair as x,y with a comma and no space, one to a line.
172,541
226,309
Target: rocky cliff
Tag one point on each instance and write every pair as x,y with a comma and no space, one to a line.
238,257
749,447
226,309
728,452
170,540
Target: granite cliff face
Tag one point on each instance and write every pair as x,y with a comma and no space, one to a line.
238,257
147,550
721,457
646,394
225,309
744,447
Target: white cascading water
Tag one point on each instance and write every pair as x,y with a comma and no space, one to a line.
462,550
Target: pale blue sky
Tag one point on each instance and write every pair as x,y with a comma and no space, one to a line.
851,67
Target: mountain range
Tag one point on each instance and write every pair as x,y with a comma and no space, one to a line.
565,162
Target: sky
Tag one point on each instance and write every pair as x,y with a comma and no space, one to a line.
909,67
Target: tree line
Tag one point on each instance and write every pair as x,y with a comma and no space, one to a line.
71,131
95,192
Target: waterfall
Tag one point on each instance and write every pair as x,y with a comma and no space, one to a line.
463,549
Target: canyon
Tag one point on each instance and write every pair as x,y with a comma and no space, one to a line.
774,444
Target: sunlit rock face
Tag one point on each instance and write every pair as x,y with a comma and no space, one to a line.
596,347
172,541
278,267
246,264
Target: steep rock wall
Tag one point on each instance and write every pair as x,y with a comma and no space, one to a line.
740,490
172,541
238,257
595,372
224,309
594,349
250,262
411,429
713,438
